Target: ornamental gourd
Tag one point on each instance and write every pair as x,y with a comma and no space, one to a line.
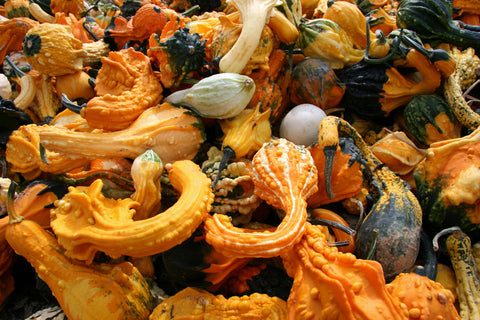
86,222
433,21
320,274
324,39
125,86
428,118
314,81
284,175
201,304
459,248
84,292
446,183
395,216
173,133
51,49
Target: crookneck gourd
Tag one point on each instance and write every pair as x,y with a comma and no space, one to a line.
84,292
85,221
284,175
464,76
173,133
125,86
333,285
459,248
395,217
446,183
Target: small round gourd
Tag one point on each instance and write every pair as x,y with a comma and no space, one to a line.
300,124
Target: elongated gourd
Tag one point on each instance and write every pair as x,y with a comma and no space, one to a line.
173,133
459,248
86,222
99,291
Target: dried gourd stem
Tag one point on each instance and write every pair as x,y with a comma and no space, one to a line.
13,217
43,153
406,141
339,244
333,110
360,215
3,163
371,252
333,224
442,233
228,153
67,103
90,31
465,94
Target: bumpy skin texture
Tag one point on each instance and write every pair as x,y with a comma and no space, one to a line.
86,222
197,304
332,285
425,298
284,175
126,86
83,292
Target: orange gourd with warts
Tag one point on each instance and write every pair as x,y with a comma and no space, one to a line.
284,175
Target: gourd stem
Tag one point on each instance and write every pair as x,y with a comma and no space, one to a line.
361,214
443,232
333,224
339,243
3,163
19,73
90,32
43,154
13,217
228,153
67,103
191,11
470,27
371,252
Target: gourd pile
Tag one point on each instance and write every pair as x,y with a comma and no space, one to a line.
240,159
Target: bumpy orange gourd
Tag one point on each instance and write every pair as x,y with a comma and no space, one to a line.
425,298
197,304
99,291
125,86
332,285
284,176
85,221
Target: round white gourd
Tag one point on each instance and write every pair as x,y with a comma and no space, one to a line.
300,124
